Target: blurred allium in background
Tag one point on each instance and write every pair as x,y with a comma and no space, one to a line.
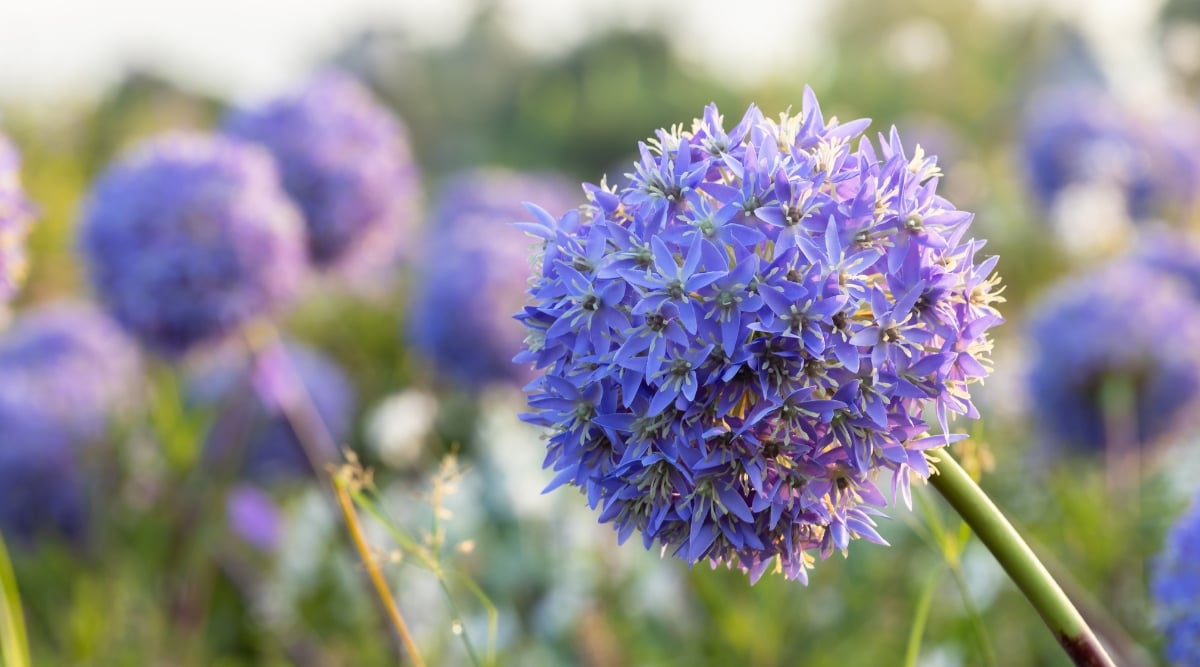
16,214
346,162
1115,359
70,365
1081,136
1173,253
252,436
41,487
737,343
1175,585
1082,139
188,237
473,271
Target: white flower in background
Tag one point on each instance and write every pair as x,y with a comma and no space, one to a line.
917,45
1090,221
513,451
399,425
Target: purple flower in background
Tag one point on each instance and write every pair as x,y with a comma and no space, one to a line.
188,237
252,435
734,345
1175,587
346,162
16,214
1082,136
1175,137
1174,253
72,364
1115,359
41,489
253,517
473,272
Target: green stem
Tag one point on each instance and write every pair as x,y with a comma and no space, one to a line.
920,617
1019,561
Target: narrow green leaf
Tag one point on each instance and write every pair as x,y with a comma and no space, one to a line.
14,643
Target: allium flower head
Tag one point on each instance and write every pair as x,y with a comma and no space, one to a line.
188,237
1083,137
474,271
344,159
252,434
41,490
71,363
1175,586
735,345
1115,358
16,214
1172,253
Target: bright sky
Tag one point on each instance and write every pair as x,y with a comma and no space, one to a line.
51,48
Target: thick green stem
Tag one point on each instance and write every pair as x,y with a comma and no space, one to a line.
1019,561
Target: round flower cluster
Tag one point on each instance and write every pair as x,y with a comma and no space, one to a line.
41,489
474,271
188,237
252,435
1173,253
739,341
16,214
1083,137
344,160
72,365
1115,359
1175,586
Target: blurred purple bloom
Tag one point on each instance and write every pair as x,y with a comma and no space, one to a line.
252,435
734,345
345,160
1084,136
1175,587
253,517
473,271
1175,138
1115,359
72,364
188,237
41,489
16,215
1174,253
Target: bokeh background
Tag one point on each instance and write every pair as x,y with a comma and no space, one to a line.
1071,129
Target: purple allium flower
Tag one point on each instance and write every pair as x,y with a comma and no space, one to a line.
188,237
1175,136
1115,359
41,490
16,214
1174,253
1175,587
1082,136
253,517
474,271
252,434
737,343
346,162
71,363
